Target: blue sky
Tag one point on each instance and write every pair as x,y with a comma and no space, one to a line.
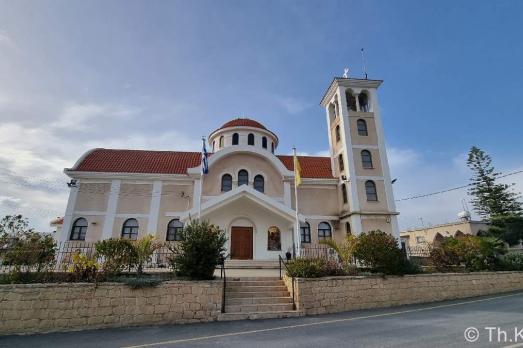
159,75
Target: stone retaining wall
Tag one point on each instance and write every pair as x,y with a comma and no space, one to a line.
30,308
337,294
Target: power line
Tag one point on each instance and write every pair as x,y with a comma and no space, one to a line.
451,189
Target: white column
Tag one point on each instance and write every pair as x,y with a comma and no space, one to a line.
331,149
384,161
112,204
357,101
287,193
350,168
68,217
355,224
154,209
196,194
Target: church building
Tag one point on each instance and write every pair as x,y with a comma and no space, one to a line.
249,189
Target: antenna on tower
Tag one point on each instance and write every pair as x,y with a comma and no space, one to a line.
363,63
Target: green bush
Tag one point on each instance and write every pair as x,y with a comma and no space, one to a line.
512,261
116,255
313,268
379,251
470,253
197,254
84,268
139,282
28,251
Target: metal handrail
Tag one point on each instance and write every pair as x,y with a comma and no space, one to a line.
282,261
224,277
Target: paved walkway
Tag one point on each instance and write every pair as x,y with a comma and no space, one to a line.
433,325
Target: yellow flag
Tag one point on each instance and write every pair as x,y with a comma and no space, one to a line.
297,171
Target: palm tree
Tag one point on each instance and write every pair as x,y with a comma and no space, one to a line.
144,248
344,249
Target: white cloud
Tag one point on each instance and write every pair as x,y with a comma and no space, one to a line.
85,116
5,39
294,105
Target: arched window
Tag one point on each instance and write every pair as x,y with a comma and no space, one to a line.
221,142
362,128
243,177
259,183
250,139
351,101
366,159
344,193
305,230
235,139
338,136
130,229
264,142
332,112
174,230
272,147
226,182
347,228
363,99
324,231
370,190
340,162
273,239
79,229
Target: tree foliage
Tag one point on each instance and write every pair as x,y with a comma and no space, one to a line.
198,253
490,198
345,249
380,252
115,255
507,228
13,225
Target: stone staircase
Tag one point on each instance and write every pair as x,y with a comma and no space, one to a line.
252,264
257,298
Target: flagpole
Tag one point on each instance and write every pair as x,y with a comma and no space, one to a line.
296,237
201,179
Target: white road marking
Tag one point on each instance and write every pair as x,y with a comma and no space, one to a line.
325,322
514,345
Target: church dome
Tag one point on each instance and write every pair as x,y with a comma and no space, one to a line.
243,122
241,132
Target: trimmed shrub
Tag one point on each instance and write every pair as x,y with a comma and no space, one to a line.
379,252
313,268
116,255
512,261
470,253
198,253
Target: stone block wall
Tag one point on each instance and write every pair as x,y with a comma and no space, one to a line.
337,294
31,308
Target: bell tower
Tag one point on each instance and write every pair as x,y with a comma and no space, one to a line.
358,156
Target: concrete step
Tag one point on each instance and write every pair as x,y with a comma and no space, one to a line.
274,307
258,300
252,264
258,315
231,289
230,295
230,279
255,283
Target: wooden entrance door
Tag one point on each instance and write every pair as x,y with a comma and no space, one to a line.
241,243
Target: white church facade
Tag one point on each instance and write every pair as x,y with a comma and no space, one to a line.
249,190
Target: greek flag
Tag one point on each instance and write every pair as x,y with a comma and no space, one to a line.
205,161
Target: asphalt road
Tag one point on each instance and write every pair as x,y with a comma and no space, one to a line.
439,324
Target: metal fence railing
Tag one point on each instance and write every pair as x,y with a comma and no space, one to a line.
64,252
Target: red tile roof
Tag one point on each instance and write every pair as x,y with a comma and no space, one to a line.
177,162
243,122
311,167
57,221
